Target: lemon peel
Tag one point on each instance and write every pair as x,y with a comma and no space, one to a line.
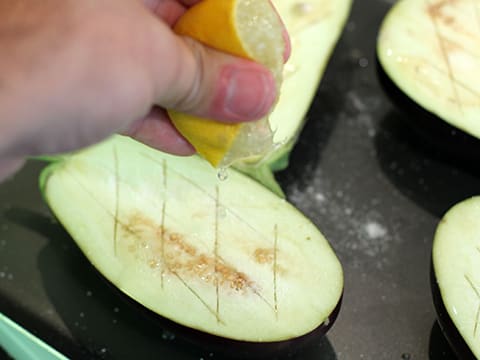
250,29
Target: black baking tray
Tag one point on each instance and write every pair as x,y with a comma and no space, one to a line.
360,172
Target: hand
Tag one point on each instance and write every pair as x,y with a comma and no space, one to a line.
74,72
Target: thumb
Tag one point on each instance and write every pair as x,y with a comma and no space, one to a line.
202,81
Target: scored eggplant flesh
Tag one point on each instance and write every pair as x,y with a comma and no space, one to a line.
429,49
456,275
228,258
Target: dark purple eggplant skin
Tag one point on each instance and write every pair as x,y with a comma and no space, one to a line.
454,338
233,349
451,142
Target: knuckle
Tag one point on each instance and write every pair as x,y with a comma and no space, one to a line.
192,96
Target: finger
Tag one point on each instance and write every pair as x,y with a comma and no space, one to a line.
208,83
10,166
288,45
189,3
286,37
157,131
168,10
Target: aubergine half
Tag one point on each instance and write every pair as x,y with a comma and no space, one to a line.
314,28
228,258
428,53
456,277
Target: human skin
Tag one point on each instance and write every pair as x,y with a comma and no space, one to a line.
73,72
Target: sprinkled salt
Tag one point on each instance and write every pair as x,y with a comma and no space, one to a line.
167,335
375,230
320,197
363,62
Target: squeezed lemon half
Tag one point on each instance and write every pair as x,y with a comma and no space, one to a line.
249,29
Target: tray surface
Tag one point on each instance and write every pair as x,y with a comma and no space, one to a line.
359,172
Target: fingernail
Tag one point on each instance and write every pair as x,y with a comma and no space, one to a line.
250,93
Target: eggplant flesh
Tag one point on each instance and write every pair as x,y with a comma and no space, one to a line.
429,49
456,276
228,258
314,28
447,326
436,136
